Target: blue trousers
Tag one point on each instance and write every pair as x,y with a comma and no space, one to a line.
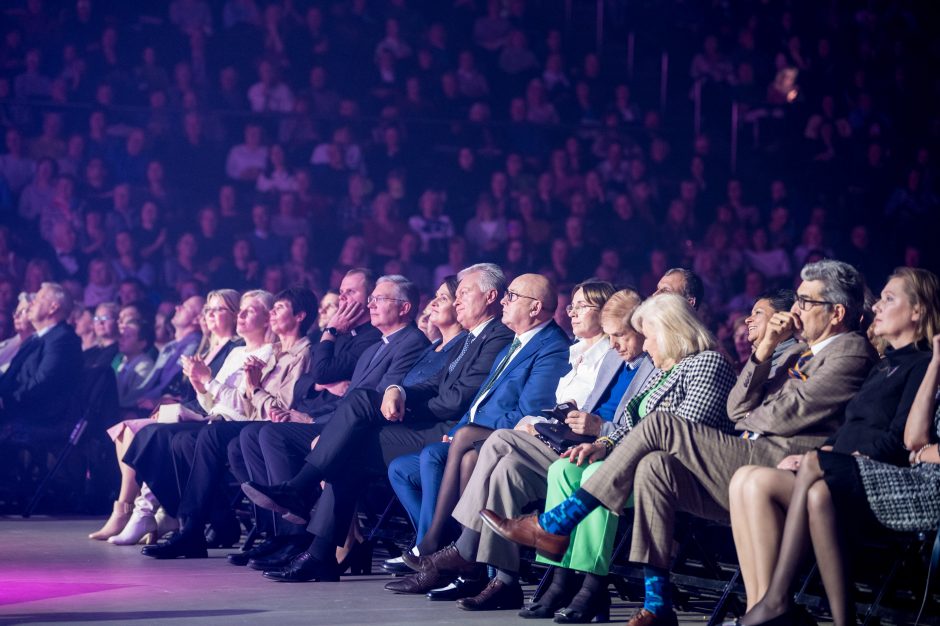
416,479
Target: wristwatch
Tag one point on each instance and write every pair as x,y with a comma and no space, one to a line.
331,330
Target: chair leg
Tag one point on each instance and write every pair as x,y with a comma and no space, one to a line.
721,608
544,582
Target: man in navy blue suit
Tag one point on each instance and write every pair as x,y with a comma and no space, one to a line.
370,428
38,388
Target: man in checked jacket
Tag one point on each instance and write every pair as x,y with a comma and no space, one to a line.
671,465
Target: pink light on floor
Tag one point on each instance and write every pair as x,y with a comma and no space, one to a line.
17,591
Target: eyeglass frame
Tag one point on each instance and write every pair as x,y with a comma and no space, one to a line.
102,318
215,310
578,309
512,296
379,299
802,301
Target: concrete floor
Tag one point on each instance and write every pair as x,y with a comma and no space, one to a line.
50,573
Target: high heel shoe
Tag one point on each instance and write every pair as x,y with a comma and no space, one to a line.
597,610
141,527
120,515
358,560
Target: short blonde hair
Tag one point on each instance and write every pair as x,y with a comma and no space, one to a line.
679,332
620,307
262,296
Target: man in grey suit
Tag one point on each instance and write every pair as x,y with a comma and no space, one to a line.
512,469
671,465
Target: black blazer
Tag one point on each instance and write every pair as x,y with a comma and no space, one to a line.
43,376
334,361
403,349
447,395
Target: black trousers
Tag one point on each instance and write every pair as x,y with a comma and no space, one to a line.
275,453
355,447
151,456
207,486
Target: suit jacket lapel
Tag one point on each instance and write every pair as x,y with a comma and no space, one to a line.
367,356
645,373
608,371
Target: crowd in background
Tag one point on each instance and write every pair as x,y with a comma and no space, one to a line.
163,150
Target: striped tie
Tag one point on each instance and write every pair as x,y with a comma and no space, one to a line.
797,370
463,351
502,365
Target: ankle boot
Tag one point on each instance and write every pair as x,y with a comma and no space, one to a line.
116,523
141,527
166,524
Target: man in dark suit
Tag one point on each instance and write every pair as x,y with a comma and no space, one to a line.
349,333
38,388
286,441
370,428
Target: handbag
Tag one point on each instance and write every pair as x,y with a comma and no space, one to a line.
555,433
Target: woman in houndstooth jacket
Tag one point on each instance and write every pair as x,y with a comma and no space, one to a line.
694,383
862,474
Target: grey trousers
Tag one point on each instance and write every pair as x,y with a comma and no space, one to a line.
510,475
672,465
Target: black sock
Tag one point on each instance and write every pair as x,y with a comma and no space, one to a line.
564,581
323,550
307,480
589,593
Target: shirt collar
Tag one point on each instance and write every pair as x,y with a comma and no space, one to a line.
635,363
527,336
476,330
392,334
817,348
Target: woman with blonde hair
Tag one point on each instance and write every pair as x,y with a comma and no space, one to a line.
776,513
693,383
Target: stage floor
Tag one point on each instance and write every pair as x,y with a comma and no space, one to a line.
50,573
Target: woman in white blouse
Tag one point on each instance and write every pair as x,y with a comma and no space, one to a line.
24,330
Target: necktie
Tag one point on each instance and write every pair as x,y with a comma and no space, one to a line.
463,351
797,370
502,365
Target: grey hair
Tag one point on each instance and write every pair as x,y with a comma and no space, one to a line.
842,284
404,290
491,276
262,296
25,297
62,297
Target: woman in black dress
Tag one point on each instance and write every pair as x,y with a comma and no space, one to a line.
787,508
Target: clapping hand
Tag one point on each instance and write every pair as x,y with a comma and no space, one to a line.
253,367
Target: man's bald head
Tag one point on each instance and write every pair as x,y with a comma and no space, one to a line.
530,300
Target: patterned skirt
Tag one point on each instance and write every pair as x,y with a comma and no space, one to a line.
905,499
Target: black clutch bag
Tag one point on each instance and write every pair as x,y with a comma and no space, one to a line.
556,434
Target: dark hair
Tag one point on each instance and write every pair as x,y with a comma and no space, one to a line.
367,276
694,288
779,299
301,300
145,330
451,283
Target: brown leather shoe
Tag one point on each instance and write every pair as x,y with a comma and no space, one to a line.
527,532
495,596
446,560
646,618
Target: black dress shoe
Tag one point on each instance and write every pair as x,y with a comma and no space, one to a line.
460,588
495,596
279,558
396,566
188,545
304,568
263,549
282,499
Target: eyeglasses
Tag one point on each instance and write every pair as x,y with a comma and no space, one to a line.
806,303
102,318
512,296
213,310
381,299
577,310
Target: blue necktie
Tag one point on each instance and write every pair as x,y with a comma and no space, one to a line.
463,351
